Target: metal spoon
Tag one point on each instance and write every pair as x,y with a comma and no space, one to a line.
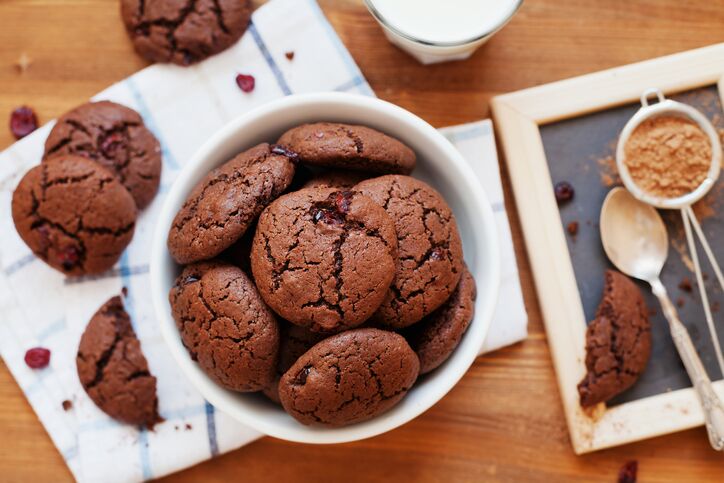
635,240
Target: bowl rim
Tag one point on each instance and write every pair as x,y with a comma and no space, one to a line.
454,369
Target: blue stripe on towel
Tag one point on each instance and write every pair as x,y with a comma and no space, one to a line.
145,460
269,59
344,54
211,427
149,120
18,264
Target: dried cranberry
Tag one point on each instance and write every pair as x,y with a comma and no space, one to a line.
281,150
245,82
111,143
22,122
301,377
37,357
343,201
564,192
327,216
69,258
627,473
44,237
437,254
289,55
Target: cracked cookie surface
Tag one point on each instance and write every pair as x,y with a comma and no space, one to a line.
336,178
618,341
225,325
324,258
184,31
436,336
113,369
226,203
348,146
430,255
349,377
74,214
115,137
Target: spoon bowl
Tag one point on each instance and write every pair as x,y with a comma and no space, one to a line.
634,235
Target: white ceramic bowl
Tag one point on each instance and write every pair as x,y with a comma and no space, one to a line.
439,163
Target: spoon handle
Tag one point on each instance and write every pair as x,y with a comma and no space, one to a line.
710,402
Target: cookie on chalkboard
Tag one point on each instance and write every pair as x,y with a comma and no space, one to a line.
184,31
618,341
113,370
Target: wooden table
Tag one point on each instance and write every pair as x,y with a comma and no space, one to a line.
504,421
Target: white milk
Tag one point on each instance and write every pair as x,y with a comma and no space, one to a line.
445,21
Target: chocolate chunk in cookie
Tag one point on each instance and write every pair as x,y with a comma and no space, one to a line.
184,31
349,147
114,371
336,178
324,258
226,202
430,252
618,341
349,377
436,336
114,136
294,341
74,214
225,325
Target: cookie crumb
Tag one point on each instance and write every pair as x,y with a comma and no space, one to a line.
188,427
686,285
714,307
67,405
124,292
289,55
628,472
573,229
680,302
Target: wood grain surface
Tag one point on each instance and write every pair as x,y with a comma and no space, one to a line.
503,421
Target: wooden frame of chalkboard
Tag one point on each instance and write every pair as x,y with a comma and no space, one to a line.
518,118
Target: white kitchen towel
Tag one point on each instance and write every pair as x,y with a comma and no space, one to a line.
183,107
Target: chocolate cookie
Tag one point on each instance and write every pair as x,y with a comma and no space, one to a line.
618,341
225,325
184,31
430,252
349,147
114,136
294,341
113,370
324,258
336,178
74,214
436,336
226,202
349,377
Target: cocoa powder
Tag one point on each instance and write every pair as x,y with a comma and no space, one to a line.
668,156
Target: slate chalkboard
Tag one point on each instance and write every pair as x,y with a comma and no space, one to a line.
581,151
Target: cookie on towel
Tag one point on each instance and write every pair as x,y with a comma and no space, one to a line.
74,214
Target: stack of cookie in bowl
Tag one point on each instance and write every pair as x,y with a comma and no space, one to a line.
317,271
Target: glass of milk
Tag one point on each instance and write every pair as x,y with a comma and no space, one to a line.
441,30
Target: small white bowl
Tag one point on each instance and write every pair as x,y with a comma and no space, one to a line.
439,163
